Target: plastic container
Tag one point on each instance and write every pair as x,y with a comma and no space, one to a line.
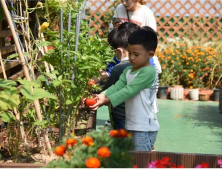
194,94
177,93
162,92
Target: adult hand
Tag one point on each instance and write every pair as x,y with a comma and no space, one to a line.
116,24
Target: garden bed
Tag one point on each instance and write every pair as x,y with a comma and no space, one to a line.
143,158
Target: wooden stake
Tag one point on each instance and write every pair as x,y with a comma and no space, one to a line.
21,56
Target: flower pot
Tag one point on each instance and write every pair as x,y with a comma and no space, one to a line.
216,94
176,93
204,96
194,94
162,92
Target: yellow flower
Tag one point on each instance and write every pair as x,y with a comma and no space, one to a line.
179,63
44,26
40,4
191,87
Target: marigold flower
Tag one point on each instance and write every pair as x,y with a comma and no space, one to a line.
60,150
113,133
103,152
88,141
122,133
93,163
191,87
44,26
70,142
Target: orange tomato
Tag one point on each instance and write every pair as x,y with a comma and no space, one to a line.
91,82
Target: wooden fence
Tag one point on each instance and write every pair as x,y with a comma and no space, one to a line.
175,18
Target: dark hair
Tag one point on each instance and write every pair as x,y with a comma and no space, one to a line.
148,29
142,2
129,25
146,38
121,38
111,37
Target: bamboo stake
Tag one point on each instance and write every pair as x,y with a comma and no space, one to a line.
21,56
3,68
61,122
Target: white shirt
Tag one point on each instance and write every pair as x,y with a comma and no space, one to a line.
141,108
142,17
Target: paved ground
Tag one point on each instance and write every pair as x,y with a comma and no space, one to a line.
186,126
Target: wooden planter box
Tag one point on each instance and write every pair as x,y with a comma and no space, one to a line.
142,159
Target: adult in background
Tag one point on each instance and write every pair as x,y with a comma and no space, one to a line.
133,11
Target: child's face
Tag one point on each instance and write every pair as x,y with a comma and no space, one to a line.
138,56
129,4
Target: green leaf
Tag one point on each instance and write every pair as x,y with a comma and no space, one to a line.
40,123
44,43
68,102
8,101
42,78
7,83
56,83
94,58
36,93
7,117
52,76
34,83
85,67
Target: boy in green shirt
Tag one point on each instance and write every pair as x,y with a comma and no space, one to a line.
137,87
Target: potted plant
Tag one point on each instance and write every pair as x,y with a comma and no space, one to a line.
166,79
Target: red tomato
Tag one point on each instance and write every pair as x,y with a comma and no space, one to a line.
91,82
90,102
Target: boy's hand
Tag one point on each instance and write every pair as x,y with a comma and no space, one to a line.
101,100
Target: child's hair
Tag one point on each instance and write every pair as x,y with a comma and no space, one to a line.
121,38
148,29
129,25
146,38
111,37
142,2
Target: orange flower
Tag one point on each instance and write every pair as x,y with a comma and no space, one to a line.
60,150
88,141
191,87
135,166
103,152
70,142
113,133
122,133
93,163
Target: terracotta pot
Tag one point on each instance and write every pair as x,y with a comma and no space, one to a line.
204,96
186,94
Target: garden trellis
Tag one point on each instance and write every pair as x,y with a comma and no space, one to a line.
174,18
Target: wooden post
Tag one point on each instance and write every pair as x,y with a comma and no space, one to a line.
24,66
